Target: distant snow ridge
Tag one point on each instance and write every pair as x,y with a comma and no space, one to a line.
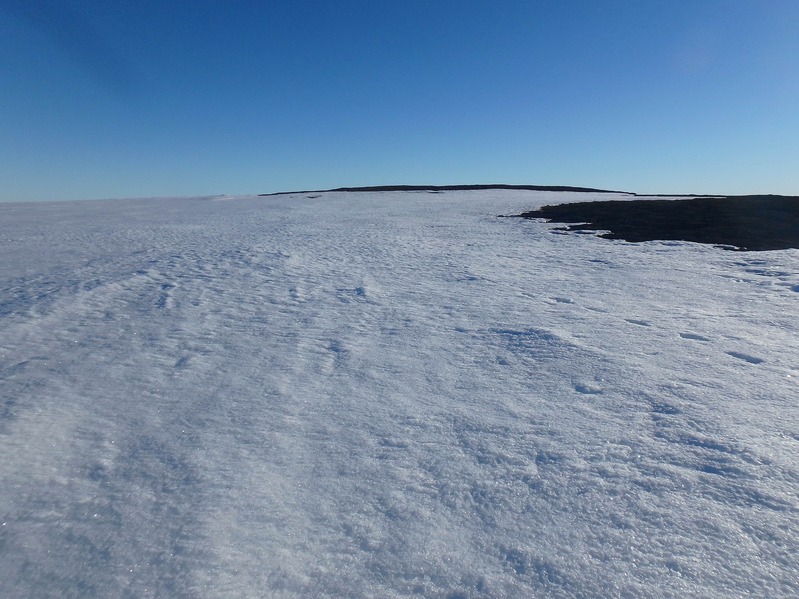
389,395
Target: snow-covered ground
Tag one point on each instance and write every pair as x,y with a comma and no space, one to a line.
389,395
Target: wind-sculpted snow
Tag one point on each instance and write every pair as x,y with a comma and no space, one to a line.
389,395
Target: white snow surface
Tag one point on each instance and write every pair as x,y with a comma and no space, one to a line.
389,395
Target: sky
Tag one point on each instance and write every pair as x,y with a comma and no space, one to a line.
154,98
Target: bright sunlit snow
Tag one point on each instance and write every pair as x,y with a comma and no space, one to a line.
389,395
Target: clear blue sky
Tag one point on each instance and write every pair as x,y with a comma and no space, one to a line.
153,98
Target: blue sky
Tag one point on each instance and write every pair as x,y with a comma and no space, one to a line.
156,98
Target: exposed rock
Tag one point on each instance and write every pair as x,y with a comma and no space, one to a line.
747,223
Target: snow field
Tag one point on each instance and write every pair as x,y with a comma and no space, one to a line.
389,395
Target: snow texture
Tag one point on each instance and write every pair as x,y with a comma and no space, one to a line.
389,395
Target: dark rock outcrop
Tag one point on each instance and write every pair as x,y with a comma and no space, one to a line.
746,223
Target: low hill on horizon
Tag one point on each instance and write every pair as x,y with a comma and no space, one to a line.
437,188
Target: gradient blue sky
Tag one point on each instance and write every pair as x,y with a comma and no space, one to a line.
154,98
